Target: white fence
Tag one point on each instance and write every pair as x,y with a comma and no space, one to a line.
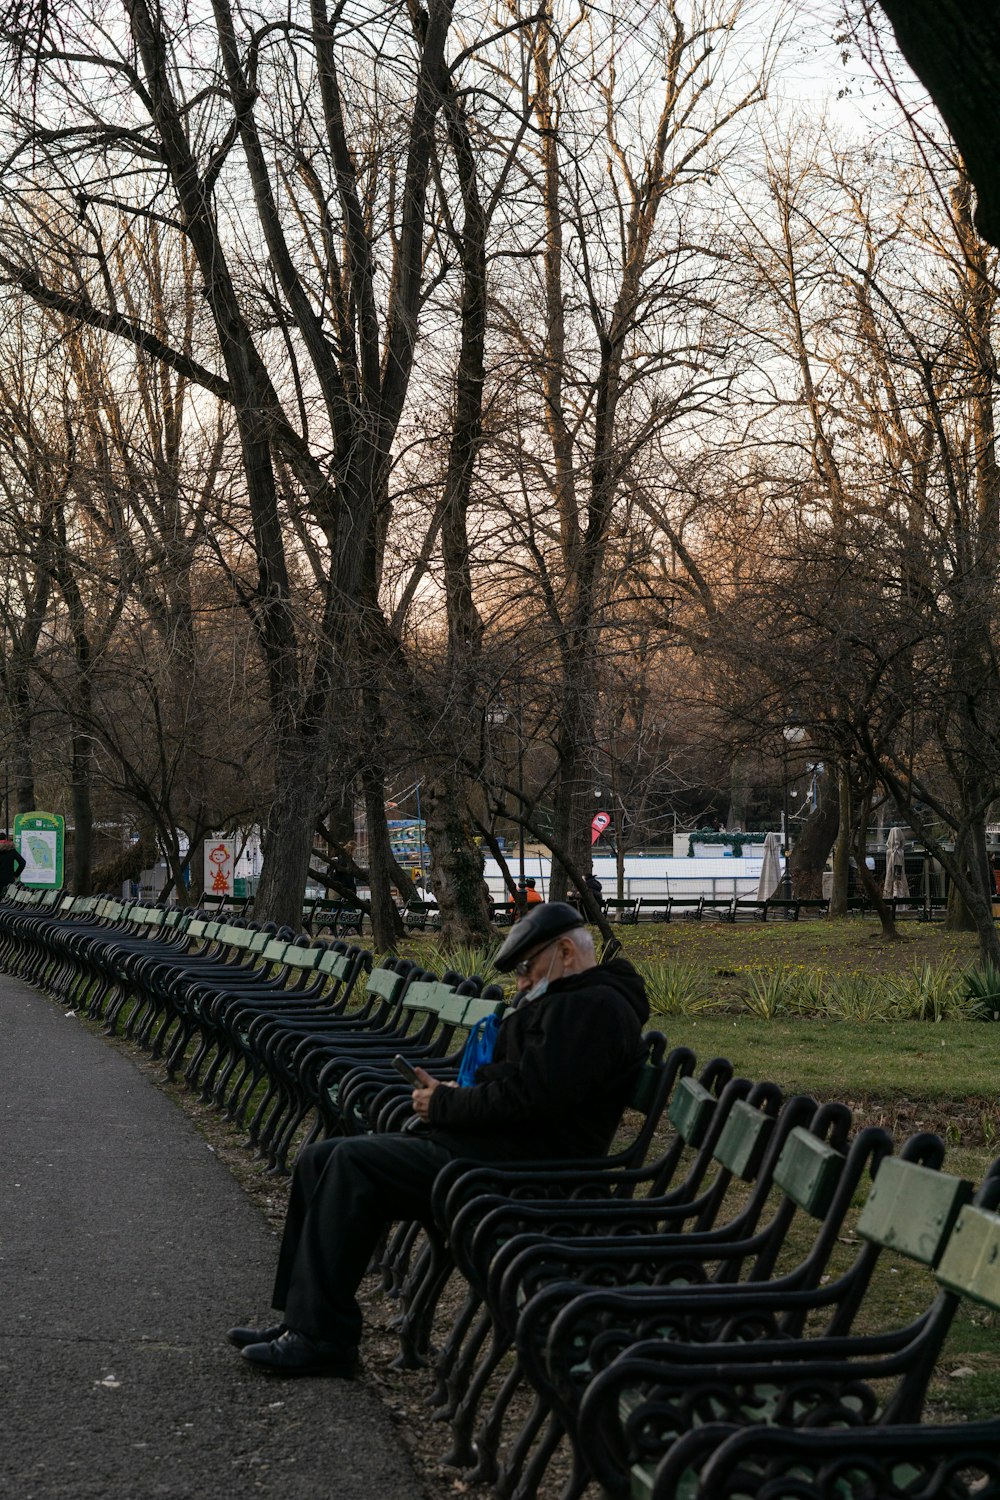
718,879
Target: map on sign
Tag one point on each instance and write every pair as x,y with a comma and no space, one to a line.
39,851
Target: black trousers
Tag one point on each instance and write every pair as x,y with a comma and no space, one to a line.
344,1193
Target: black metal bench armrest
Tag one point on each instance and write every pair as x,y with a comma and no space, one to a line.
923,1461
668,1395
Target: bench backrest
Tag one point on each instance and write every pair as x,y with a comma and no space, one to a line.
691,1108
385,984
912,1209
300,957
743,1140
427,995
475,1009
970,1264
149,916
235,937
808,1171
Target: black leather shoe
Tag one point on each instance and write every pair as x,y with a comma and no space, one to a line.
241,1337
294,1354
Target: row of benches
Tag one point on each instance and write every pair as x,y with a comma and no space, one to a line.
341,919
679,1313
748,908
724,908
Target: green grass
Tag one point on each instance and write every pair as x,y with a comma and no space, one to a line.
847,1059
729,954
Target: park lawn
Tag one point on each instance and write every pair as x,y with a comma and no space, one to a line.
903,1074
850,1060
727,951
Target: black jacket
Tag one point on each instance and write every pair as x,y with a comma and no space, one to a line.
11,863
561,1075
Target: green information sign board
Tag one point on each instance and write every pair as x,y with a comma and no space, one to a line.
39,837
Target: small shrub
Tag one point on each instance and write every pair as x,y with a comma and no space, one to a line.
465,959
982,991
809,993
929,992
675,988
770,994
859,997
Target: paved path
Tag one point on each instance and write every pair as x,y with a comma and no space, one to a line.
126,1249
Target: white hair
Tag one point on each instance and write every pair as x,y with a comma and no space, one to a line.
582,941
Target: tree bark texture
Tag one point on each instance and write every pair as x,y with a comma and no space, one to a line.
807,861
842,848
456,864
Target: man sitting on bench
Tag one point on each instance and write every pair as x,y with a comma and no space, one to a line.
565,1061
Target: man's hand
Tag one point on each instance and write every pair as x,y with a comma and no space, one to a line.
422,1095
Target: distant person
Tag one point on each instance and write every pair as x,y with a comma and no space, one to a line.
342,872
11,862
531,896
592,886
345,882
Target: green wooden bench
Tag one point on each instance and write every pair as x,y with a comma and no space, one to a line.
693,1396
882,1460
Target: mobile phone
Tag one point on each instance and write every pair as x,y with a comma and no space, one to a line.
408,1071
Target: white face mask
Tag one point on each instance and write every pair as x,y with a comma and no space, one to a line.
538,990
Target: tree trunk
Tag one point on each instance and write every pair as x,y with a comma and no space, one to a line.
22,759
573,802
81,757
807,861
288,836
952,46
868,883
456,864
740,788
387,925
842,848
128,865
873,891
958,917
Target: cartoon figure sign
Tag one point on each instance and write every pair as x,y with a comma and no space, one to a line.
598,824
220,858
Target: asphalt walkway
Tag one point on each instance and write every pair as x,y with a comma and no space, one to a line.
126,1250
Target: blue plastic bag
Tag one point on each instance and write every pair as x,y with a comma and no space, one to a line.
478,1049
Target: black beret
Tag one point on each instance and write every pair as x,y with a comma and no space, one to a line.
543,924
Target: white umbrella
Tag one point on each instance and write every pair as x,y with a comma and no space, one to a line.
770,869
895,883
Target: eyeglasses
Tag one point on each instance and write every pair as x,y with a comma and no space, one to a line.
523,969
